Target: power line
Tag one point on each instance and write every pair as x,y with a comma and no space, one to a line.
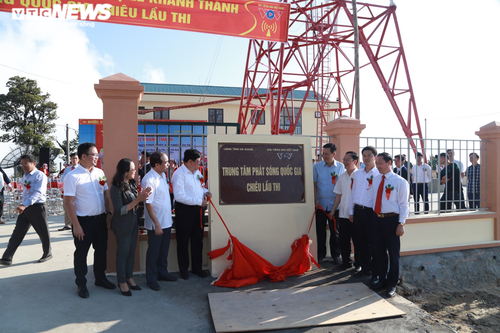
44,77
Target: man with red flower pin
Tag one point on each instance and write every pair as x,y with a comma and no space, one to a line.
32,211
391,208
190,202
89,207
361,204
325,175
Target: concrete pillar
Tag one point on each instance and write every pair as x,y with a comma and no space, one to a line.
344,133
491,134
120,95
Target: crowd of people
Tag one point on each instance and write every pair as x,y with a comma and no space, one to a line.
365,206
92,207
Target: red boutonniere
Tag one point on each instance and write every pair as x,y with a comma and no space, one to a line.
370,182
27,185
352,181
388,190
334,177
102,181
200,178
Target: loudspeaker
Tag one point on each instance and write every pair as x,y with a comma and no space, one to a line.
44,157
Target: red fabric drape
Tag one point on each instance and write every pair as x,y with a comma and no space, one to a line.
248,268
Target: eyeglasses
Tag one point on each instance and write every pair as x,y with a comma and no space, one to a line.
93,155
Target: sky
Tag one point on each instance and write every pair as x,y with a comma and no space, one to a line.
452,50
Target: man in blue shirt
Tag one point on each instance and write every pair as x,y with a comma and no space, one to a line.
325,174
32,211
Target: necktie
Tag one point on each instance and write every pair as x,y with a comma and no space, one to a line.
378,202
72,168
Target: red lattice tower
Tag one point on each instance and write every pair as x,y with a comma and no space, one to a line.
315,59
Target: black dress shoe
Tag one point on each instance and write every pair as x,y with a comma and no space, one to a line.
136,287
184,276
391,291
83,292
105,283
5,262
126,293
374,280
344,267
201,274
154,285
64,228
168,277
379,286
45,258
357,269
336,261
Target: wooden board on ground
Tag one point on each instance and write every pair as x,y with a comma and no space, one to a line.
297,307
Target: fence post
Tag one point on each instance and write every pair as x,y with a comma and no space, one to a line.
344,133
120,95
491,133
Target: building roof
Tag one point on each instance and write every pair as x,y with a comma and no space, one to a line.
186,89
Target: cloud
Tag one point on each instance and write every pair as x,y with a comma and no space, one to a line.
59,55
152,75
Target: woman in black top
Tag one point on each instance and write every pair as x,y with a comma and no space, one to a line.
124,223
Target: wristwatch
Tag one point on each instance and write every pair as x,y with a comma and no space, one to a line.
109,213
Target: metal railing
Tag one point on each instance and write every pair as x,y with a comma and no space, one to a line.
463,189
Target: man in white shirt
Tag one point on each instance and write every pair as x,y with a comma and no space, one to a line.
190,199
73,163
421,175
390,194
361,212
158,221
87,201
343,189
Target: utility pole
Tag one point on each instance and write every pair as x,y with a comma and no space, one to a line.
67,144
356,60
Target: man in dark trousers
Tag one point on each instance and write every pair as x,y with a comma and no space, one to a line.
391,208
89,207
190,199
450,175
32,211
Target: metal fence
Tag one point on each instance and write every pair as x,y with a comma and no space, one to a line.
464,187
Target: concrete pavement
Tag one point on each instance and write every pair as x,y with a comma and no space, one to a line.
43,297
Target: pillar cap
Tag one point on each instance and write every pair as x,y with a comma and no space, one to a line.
119,86
489,131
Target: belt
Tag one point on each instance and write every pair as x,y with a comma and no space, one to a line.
91,216
38,204
421,183
385,215
361,207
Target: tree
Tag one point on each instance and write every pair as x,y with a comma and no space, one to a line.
73,146
27,115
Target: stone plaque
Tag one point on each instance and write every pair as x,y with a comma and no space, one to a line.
261,173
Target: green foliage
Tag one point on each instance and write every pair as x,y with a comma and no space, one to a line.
27,116
433,162
73,146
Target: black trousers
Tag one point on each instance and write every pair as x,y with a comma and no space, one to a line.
2,200
188,228
321,220
157,254
474,200
125,255
96,234
422,191
346,233
36,216
386,242
363,236
449,198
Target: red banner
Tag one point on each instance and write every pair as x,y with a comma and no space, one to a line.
251,19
